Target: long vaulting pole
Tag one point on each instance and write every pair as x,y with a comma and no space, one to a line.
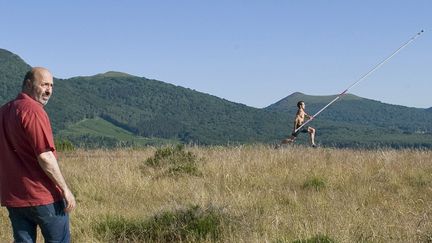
361,78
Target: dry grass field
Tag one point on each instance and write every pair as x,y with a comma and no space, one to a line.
249,194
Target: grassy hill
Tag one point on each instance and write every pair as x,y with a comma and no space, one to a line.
147,108
97,131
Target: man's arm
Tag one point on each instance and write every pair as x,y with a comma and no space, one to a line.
308,116
49,165
295,124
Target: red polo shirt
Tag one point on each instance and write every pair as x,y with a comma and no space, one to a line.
25,133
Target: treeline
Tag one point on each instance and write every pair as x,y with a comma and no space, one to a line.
154,109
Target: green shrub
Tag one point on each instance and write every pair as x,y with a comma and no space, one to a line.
64,145
174,161
314,182
188,224
418,180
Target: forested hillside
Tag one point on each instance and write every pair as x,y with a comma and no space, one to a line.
12,70
359,111
353,120
152,108
148,111
149,108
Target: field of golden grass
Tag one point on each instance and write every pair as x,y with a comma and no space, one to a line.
264,194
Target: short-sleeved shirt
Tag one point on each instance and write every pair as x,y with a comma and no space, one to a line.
25,133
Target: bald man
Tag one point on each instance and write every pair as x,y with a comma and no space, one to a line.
32,187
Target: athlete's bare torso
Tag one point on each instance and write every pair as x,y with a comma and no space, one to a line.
299,119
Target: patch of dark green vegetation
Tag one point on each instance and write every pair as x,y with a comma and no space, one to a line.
314,182
64,145
174,160
419,180
184,225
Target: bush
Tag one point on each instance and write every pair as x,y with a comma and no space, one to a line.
314,182
188,224
174,161
418,180
64,145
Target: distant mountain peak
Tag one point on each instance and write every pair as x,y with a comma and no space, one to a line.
292,99
114,74
296,93
5,52
7,56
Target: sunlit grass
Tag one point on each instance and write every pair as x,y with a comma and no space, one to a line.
261,194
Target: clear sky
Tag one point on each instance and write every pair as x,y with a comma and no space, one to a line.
254,52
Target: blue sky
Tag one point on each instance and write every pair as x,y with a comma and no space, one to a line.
251,52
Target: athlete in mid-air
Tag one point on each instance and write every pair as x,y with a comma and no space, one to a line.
298,121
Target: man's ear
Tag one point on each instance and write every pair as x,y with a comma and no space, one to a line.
28,85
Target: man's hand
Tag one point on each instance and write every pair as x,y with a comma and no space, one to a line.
70,201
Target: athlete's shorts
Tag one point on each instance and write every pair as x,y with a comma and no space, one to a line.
303,130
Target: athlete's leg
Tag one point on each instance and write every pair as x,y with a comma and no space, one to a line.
311,132
289,140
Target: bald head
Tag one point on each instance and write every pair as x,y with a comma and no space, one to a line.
38,84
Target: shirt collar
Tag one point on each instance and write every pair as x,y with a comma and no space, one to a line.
24,96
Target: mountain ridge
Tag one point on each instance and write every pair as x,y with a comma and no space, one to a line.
155,109
292,99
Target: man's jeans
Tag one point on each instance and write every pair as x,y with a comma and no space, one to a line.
51,218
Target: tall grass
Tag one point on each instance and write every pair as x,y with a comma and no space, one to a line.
294,194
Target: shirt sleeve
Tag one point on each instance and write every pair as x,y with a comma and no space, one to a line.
39,133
